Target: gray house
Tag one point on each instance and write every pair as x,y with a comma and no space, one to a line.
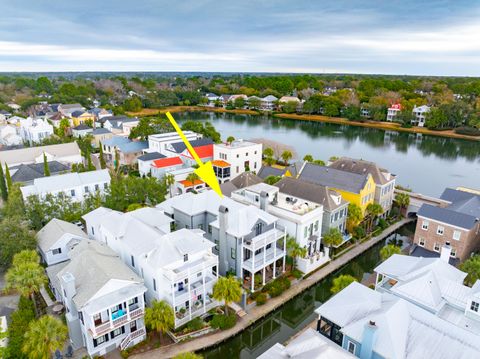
248,240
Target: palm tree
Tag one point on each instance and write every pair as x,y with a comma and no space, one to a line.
295,250
160,317
230,139
308,158
188,355
44,337
192,177
270,161
333,238
227,289
389,250
354,216
169,181
342,282
472,267
286,156
373,210
403,201
268,154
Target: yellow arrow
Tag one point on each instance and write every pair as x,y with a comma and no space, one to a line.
204,170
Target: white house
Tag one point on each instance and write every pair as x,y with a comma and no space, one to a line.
393,110
103,299
232,159
9,136
268,103
55,240
178,267
212,99
160,142
301,218
145,162
35,130
74,185
420,113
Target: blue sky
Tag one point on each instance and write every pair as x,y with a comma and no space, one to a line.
436,37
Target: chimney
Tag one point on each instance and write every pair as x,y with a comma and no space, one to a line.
263,200
445,252
68,284
222,240
368,340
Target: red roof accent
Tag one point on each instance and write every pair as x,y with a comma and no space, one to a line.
204,151
167,162
187,183
220,163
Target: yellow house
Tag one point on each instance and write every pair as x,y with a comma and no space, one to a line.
356,188
80,117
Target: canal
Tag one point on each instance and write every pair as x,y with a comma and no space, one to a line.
296,314
427,164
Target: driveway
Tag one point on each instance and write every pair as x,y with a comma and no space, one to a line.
8,303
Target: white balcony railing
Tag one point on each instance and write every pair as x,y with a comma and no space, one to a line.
116,323
264,239
263,259
130,337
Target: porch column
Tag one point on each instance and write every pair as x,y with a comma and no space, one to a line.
204,293
284,250
253,263
173,295
264,262
253,281
263,274
275,260
127,309
189,295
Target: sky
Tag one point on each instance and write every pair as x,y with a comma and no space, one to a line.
434,37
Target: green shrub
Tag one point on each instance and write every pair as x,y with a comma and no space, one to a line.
261,299
21,318
192,326
469,131
278,286
382,223
297,274
223,321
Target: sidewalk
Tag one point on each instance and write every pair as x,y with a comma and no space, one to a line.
259,312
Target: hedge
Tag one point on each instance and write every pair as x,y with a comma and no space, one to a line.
220,321
20,321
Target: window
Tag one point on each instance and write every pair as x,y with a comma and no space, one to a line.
425,225
316,226
132,260
456,235
200,226
100,340
199,274
255,152
453,253
305,232
116,332
86,189
57,251
233,253
436,247
154,285
238,169
105,185
72,193
93,231
351,347
185,257
474,306
210,229
238,156
97,187
440,230
258,229
421,242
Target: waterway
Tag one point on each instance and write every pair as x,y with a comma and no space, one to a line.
296,314
427,164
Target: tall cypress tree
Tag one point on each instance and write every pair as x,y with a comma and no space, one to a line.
90,166
8,177
3,185
103,165
46,169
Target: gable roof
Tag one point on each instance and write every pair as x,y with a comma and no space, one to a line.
27,173
204,151
245,179
54,230
311,192
100,131
82,127
132,147
29,154
331,177
179,147
150,156
360,167
77,113
116,141
455,214
167,162
266,171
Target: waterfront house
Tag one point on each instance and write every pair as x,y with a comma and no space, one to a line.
248,240
232,159
309,344
420,114
268,103
457,224
26,174
177,267
392,111
384,180
212,99
103,299
35,130
355,188
81,130
64,153
74,185
160,142
56,239
301,218
99,135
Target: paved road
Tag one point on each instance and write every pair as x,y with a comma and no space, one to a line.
8,303
273,303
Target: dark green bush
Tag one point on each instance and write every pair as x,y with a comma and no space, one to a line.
261,299
382,223
469,131
278,286
223,321
297,274
21,319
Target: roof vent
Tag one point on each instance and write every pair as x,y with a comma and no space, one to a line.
372,323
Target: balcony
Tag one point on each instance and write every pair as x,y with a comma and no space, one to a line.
189,269
130,337
183,295
263,259
116,322
181,319
264,239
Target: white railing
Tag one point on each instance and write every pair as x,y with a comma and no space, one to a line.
263,239
206,262
130,337
114,324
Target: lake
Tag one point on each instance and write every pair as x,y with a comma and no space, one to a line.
427,164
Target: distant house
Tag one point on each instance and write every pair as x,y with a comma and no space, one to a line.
393,110
268,103
67,109
100,113
64,153
100,135
9,136
203,147
212,99
14,106
110,145
161,166
267,171
232,159
35,130
244,180
160,142
81,117
115,124
73,185
54,118
56,239
420,114
81,130
145,162
129,152
26,174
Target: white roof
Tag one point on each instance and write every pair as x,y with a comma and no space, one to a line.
309,345
66,181
289,98
54,230
404,330
29,154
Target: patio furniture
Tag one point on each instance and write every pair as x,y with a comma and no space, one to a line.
69,353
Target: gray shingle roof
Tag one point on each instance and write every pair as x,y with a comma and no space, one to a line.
54,230
179,147
331,177
82,127
150,156
77,113
266,171
246,179
309,191
100,131
27,173
360,167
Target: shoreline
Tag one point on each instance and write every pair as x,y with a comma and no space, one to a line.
387,126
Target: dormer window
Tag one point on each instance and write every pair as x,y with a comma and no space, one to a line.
185,257
474,306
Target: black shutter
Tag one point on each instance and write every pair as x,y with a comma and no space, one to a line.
95,342
106,337
123,329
